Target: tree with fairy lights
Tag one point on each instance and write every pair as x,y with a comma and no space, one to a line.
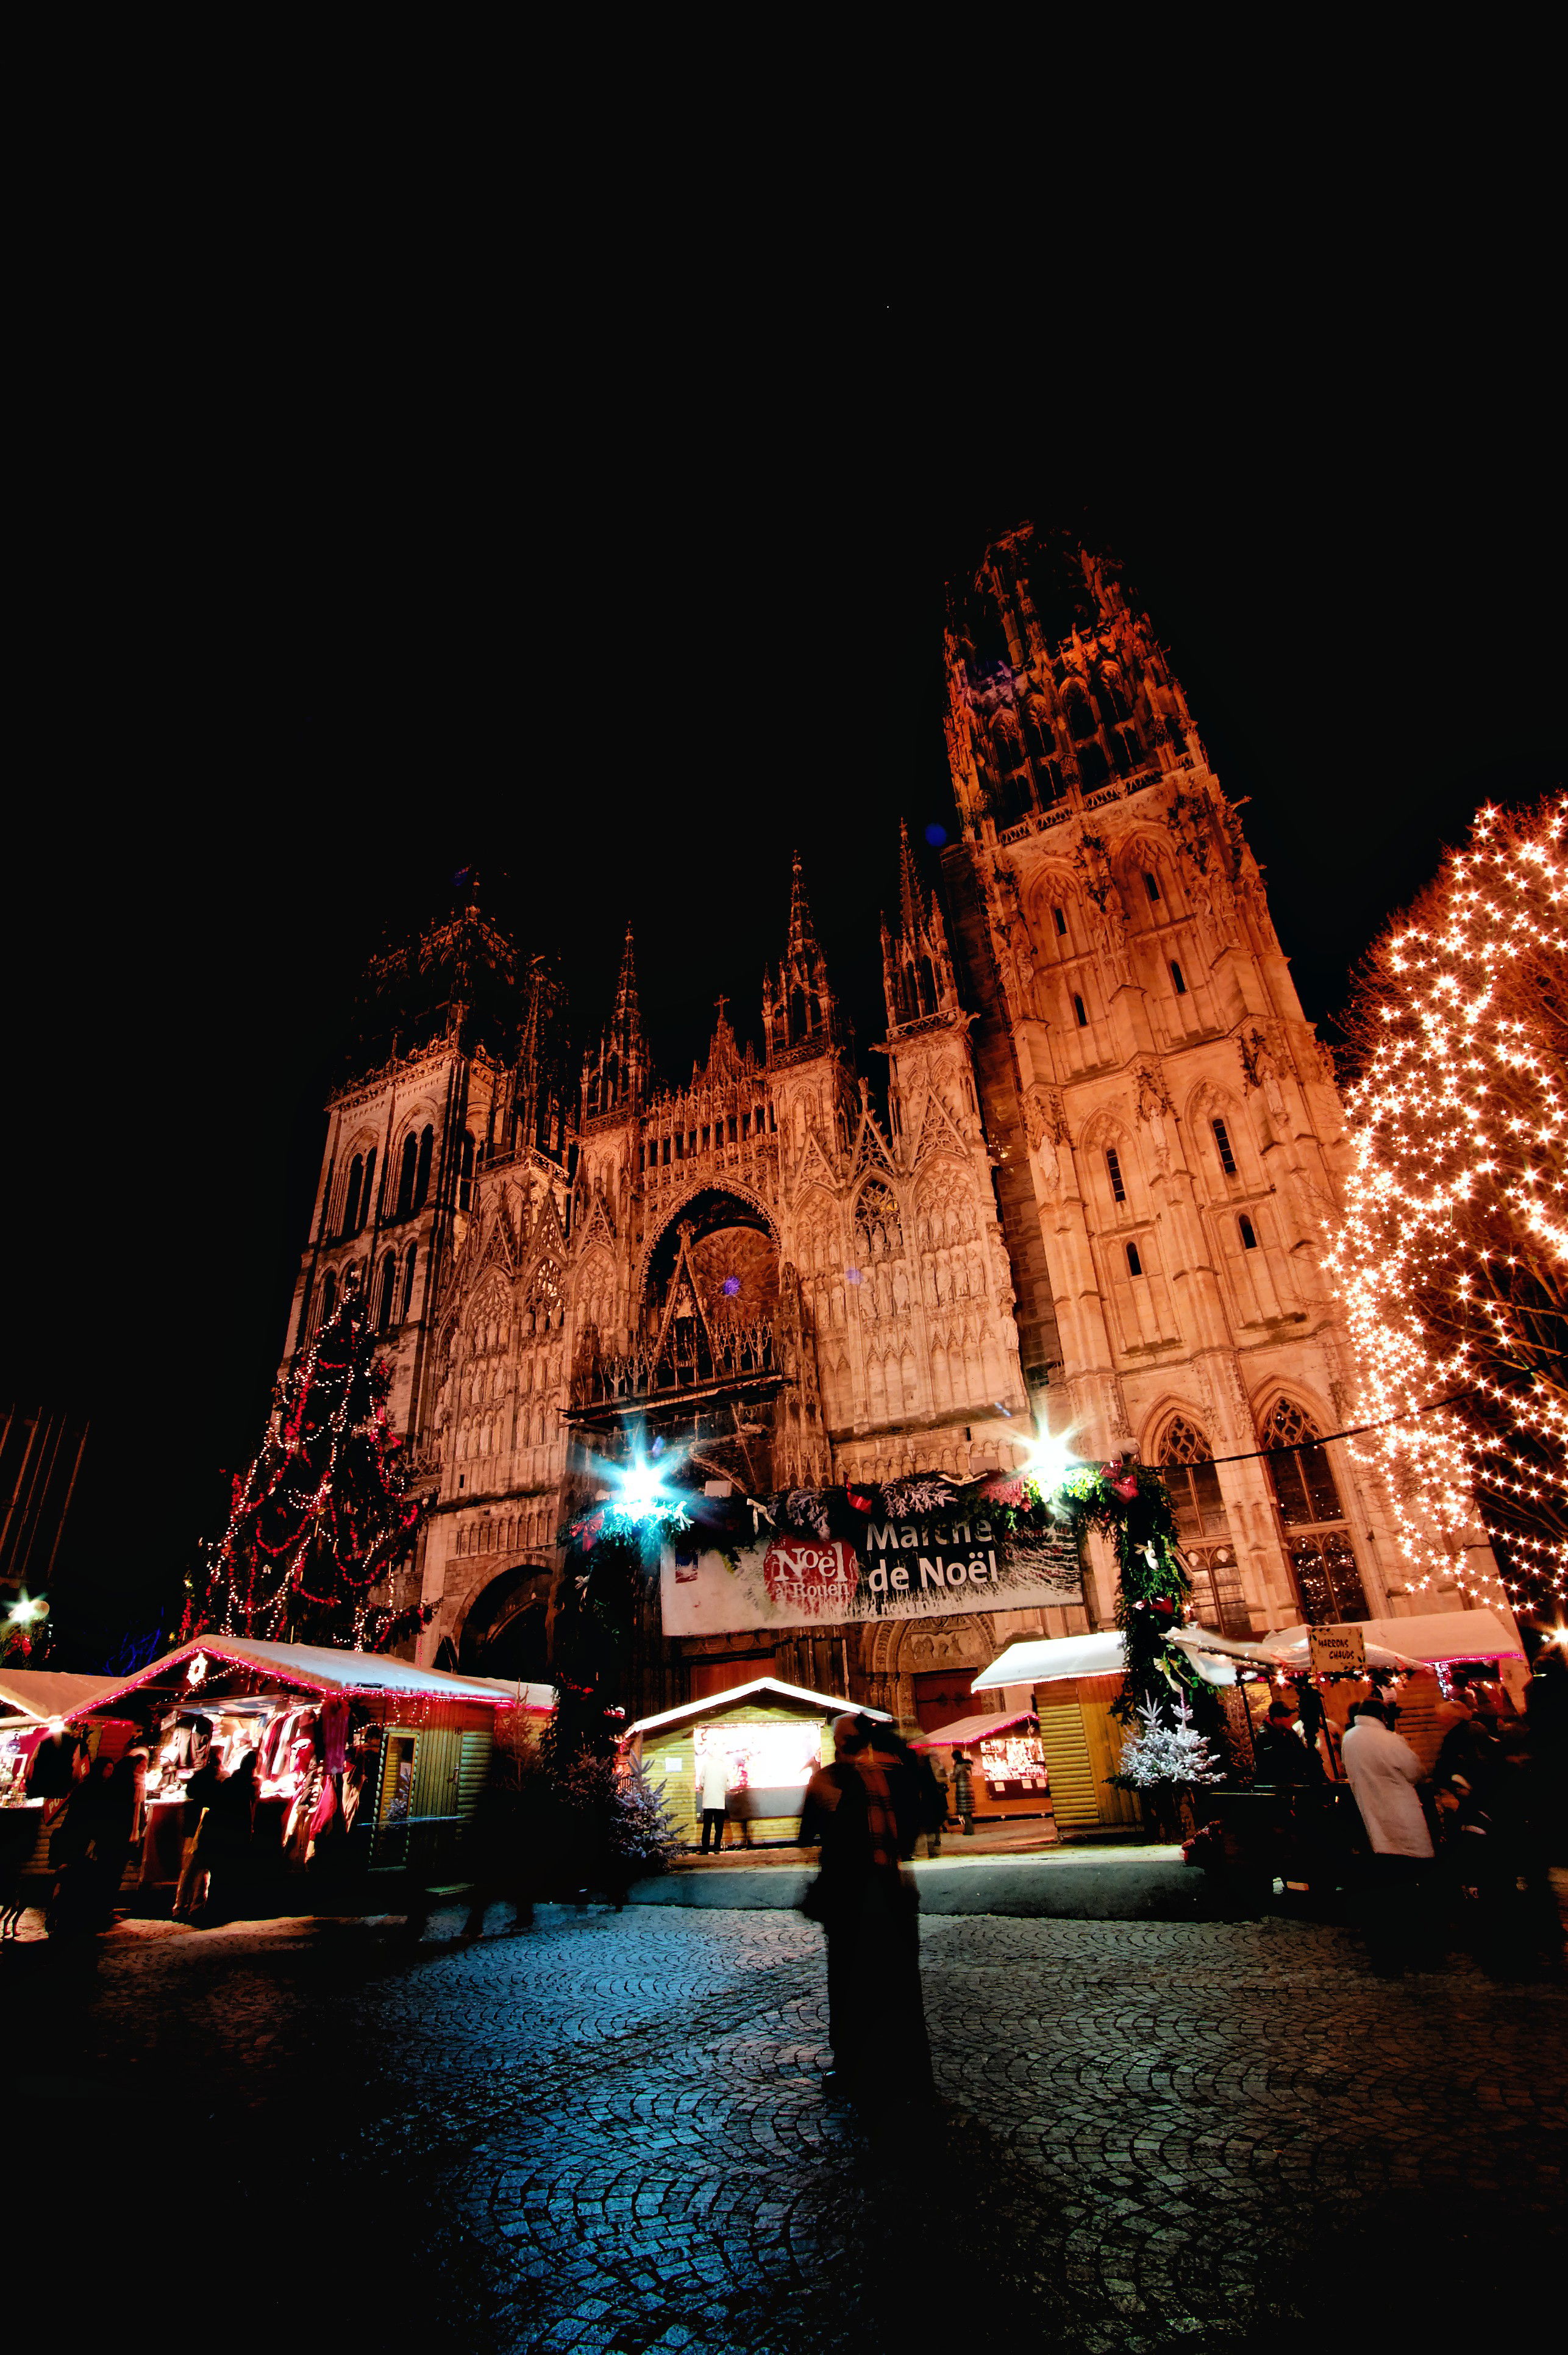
323,1515
1452,1257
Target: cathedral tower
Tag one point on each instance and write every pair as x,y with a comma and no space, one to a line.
1166,1123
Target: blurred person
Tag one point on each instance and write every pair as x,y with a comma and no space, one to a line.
1384,1771
225,1848
938,1806
1546,1714
201,1788
867,1811
964,1792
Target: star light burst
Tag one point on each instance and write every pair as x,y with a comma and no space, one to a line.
1452,1258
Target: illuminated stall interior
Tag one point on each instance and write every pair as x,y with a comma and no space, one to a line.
1009,1774
772,1736
383,1759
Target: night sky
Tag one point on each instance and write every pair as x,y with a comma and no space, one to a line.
623,604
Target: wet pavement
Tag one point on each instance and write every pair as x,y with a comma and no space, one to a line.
608,2132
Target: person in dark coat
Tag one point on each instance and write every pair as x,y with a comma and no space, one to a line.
867,1811
225,1846
964,1791
1281,1756
201,1789
75,1900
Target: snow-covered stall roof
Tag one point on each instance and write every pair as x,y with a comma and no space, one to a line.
319,1667
50,1692
827,1702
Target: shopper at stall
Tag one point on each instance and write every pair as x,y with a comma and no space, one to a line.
867,1811
964,1791
1384,1771
75,1897
1281,1755
201,1789
714,1776
938,1808
226,1851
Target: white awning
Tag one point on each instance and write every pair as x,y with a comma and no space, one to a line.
1041,1660
1427,1638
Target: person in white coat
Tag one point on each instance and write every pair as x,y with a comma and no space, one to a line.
713,1790
1384,1771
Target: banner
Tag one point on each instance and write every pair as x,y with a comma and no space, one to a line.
910,1569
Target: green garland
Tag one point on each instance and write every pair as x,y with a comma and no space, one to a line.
1128,1503
1131,1504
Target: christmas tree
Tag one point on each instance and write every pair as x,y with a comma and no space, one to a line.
1166,1752
323,1515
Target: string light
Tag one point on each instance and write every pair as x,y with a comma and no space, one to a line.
323,1505
1452,1258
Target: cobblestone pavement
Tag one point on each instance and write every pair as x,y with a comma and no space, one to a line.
609,2133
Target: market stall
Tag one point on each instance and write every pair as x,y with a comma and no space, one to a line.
1074,1680
41,1757
1010,1778
364,1761
773,1737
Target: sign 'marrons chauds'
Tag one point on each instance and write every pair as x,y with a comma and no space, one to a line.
903,1570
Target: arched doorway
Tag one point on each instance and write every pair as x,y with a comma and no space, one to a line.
504,1631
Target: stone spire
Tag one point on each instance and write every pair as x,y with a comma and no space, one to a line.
615,1074
917,964
799,1007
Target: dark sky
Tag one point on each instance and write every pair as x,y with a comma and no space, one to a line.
627,593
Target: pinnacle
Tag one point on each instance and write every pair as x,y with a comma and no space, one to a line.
910,897
800,933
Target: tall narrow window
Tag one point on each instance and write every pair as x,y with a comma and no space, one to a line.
1061,916
1248,1232
1227,1158
329,1294
384,1297
351,1200
409,1279
368,1189
1176,978
406,1167
422,1173
1202,1528
1113,1163
1079,1010
1317,1533
1134,1263
1152,885
465,1170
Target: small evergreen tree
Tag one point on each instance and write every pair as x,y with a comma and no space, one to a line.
323,1515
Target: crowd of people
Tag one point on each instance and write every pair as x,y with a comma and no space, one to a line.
93,1836
1462,1852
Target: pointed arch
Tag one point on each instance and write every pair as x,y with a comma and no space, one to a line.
1312,1516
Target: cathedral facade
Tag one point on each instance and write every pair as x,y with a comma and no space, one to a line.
1088,1193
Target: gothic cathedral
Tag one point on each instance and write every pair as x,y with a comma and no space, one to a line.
1087,1192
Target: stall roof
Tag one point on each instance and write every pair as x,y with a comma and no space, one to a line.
965,1730
317,1668
740,1692
1430,1638
51,1692
1042,1659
